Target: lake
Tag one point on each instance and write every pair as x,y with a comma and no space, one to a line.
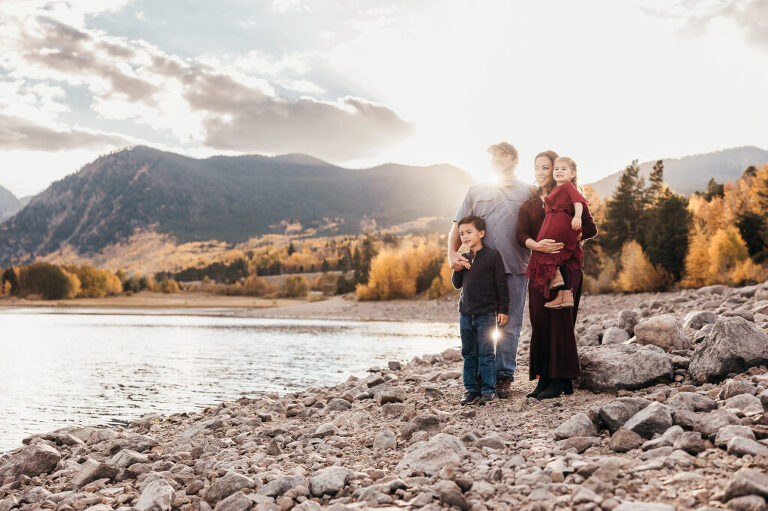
63,367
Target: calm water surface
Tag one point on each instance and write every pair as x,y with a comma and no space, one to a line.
94,366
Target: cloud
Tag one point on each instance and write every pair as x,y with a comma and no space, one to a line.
17,133
248,118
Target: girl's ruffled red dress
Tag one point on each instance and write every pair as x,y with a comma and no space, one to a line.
557,226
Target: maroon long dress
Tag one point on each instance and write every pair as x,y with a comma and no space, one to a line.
553,352
557,226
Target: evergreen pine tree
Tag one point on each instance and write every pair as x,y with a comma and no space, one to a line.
657,181
623,210
663,233
754,231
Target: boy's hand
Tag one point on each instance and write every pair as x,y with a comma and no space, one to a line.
576,223
459,262
501,319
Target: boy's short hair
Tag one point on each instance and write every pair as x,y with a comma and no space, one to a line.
477,221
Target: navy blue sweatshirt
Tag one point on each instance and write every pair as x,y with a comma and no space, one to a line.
484,285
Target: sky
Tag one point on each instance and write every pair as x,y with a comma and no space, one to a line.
359,83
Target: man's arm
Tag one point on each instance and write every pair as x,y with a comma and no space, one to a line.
456,260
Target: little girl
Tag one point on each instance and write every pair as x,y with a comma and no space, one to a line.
562,223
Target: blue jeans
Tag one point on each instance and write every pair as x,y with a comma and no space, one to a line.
477,350
506,346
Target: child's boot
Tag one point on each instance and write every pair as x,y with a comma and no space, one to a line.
563,300
557,280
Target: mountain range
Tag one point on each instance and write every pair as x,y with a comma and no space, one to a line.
9,204
691,173
222,198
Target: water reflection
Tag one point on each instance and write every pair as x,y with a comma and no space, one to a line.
66,367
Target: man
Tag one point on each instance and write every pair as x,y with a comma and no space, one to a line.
499,203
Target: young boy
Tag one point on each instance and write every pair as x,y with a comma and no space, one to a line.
483,304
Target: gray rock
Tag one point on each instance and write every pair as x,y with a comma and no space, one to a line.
127,457
281,484
338,405
627,321
733,345
391,395
31,461
685,418
697,319
764,399
492,441
157,496
745,402
663,331
655,418
425,422
709,424
325,430
225,486
91,470
691,442
692,401
625,440
616,413
578,425
614,335
385,440
739,446
740,313
735,387
747,481
432,455
747,503
643,506
667,439
579,443
726,433
236,502
329,481
612,367
394,365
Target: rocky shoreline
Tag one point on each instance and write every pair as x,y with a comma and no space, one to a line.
670,414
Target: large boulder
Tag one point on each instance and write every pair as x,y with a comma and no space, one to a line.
329,481
663,331
157,496
615,335
225,486
733,345
612,367
747,481
578,425
430,456
31,461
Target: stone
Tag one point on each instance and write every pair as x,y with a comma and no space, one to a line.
739,446
668,438
732,346
745,402
584,495
616,413
579,443
663,331
615,335
747,481
127,457
492,441
451,495
91,470
691,401
157,496
281,484
578,425
385,440
236,502
338,405
612,367
764,399
697,319
391,395
392,410
691,442
747,503
655,418
733,388
325,430
627,321
643,506
749,316
394,365
329,481
31,461
428,423
625,440
710,423
225,486
430,456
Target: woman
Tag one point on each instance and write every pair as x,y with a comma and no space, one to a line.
553,355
